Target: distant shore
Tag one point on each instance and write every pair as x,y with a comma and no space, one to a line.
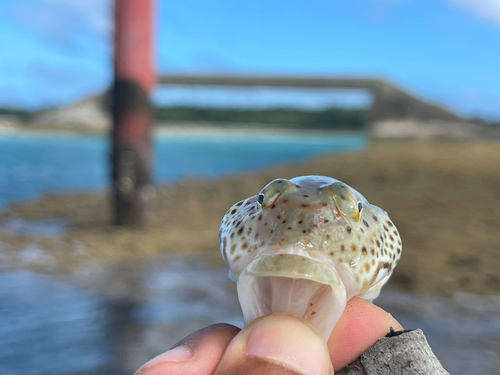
401,129
165,130
443,197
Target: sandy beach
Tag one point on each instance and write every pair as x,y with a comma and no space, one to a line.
443,196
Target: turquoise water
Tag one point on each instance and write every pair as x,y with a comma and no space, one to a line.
34,164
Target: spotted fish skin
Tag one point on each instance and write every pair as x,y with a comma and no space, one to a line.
319,220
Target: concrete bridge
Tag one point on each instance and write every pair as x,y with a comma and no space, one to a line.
390,101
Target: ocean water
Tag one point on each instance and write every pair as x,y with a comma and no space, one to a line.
100,323
35,164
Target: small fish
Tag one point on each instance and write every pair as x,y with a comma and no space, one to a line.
306,246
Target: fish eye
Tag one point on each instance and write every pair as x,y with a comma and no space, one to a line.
360,207
260,198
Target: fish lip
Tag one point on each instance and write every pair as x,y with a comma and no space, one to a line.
277,264
342,269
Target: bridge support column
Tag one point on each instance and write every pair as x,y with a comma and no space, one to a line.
134,77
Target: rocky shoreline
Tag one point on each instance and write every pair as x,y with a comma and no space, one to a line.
443,196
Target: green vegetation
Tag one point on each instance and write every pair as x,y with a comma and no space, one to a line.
18,112
330,118
482,121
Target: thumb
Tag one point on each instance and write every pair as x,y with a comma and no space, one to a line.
278,344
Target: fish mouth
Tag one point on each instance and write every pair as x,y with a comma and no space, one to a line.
294,284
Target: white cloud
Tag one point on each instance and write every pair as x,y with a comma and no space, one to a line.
487,9
65,22
96,13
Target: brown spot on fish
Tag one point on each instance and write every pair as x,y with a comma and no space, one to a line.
244,246
273,206
327,236
375,218
233,249
326,221
304,231
331,253
313,312
260,217
240,231
233,211
289,228
390,223
353,247
239,203
366,223
285,200
305,205
348,228
342,247
324,204
364,251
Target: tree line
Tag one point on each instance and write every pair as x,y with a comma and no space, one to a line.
329,118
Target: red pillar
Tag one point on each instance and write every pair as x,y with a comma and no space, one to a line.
134,78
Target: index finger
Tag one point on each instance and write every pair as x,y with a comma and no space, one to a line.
358,329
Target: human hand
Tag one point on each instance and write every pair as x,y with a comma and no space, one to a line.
276,344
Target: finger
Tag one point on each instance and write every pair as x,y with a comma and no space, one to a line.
359,327
197,354
277,344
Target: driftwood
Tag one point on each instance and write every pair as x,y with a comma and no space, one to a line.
402,352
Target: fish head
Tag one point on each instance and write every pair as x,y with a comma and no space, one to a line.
306,246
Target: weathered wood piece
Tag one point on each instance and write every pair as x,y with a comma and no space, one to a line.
402,352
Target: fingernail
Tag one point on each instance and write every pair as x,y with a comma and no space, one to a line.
177,354
291,342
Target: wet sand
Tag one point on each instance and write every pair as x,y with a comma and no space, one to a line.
444,197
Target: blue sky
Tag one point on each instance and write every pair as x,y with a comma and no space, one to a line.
448,51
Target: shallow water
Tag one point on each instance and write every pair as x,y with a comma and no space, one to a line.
34,164
113,319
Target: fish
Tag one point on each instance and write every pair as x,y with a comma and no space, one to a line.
305,246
